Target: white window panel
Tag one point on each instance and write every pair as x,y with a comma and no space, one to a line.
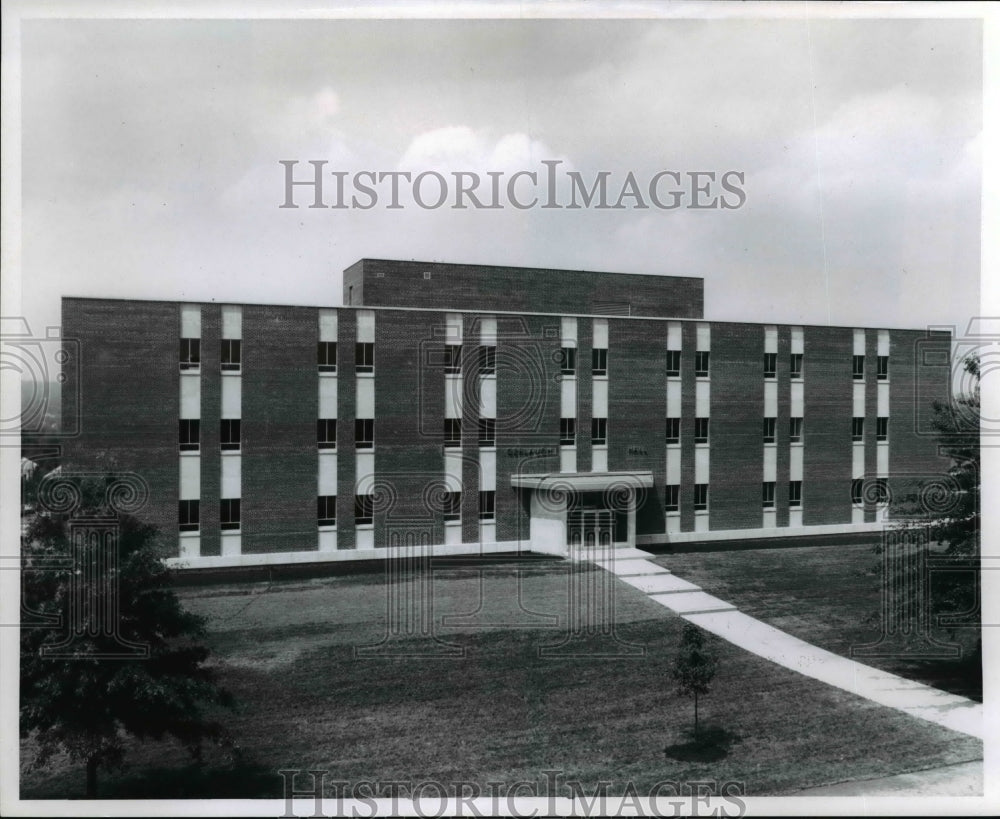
364,538
673,335
453,328
600,334
770,463
328,396
568,332
190,544
883,343
327,325
701,521
771,399
883,400
673,522
600,391
190,481
452,396
770,520
232,469
488,396
232,544
328,540
232,395
365,398
232,321
702,399
488,331
798,399
795,518
770,339
798,341
674,399
365,472
673,467
568,397
453,532
488,532
858,400
701,464
190,321
795,464
882,458
567,459
599,459
703,338
857,514
487,470
190,395
366,327
858,460
453,470
859,342
327,482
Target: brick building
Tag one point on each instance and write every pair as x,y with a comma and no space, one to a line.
494,409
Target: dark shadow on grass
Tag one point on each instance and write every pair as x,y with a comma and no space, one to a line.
710,745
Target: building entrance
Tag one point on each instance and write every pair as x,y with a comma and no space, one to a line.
590,527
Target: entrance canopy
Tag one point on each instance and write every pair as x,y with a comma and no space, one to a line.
583,481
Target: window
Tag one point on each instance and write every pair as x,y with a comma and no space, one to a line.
881,490
488,505
188,515
769,425
700,496
857,491
567,431
795,369
364,433
231,350
364,509
487,360
452,431
567,360
598,431
452,505
599,358
701,364
487,432
453,359
190,356
229,434
770,364
795,430
857,428
795,493
326,433
882,429
673,430
768,494
229,514
327,356
190,434
882,364
326,510
673,363
858,367
364,357
673,498
701,430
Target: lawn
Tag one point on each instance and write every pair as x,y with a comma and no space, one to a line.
826,595
476,699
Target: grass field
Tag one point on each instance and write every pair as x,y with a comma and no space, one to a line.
826,595
495,708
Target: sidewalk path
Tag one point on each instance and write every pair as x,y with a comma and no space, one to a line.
723,619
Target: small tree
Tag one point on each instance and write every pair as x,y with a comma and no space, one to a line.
87,703
694,668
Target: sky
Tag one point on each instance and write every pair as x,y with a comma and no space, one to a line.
151,149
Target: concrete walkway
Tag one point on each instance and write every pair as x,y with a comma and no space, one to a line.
635,567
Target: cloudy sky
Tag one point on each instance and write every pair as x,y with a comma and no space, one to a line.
150,154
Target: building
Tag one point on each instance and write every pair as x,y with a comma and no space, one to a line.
494,409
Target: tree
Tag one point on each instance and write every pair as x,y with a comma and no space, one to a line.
694,667
140,673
